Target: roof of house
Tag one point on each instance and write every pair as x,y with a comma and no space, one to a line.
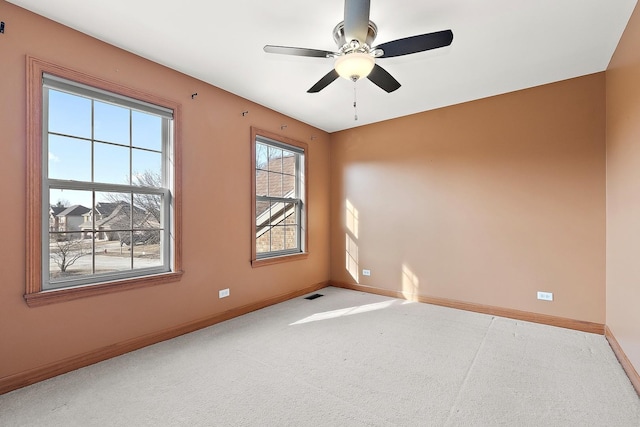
282,165
75,210
106,208
113,213
55,209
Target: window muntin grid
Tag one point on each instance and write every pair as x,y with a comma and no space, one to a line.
112,150
278,198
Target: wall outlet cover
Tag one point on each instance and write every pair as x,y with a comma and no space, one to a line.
545,296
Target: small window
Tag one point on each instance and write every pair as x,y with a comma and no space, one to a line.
107,187
279,190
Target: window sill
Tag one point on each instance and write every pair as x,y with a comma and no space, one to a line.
278,259
54,296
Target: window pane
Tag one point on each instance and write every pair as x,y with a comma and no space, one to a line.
146,249
69,158
275,159
275,184
261,156
111,123
288,186
112,215
288,163
291,239
114,254
147,210
262,183
277,238
290,214
263,243
262,214
111,164
147,168
69,256
146,131
69,210
277,212
69,114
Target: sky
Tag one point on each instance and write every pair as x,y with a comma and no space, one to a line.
125,143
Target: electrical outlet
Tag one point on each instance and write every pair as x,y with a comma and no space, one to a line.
223,293
366,272
545,296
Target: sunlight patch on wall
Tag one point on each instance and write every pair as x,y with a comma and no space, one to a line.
350,311
351,257
352,219
351,237
410,283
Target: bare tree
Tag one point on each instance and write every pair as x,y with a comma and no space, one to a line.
149,202
66,252
145,211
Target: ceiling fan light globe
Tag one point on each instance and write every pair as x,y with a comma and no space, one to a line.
354,66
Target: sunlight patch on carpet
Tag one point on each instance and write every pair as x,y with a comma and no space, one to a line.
333,314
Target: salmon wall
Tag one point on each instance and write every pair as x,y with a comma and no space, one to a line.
216,204
623,190
485,202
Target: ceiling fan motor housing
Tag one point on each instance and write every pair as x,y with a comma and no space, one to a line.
345,45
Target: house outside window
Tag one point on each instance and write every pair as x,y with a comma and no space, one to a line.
106,188
279,194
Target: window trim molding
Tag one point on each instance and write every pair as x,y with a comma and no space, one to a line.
34,294
259,262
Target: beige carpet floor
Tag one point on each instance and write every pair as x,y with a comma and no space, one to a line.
346,359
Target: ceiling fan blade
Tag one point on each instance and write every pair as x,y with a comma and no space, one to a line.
298,51
356,20
324,82
416,44
381,78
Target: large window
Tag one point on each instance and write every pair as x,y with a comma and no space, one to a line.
279,189
107,186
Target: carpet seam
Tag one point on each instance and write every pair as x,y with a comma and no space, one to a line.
468,373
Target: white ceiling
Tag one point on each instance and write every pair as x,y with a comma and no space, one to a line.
499,46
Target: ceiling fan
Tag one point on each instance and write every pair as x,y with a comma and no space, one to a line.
356,55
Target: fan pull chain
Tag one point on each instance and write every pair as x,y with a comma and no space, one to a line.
355,102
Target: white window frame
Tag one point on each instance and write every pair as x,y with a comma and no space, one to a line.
51,82
298,199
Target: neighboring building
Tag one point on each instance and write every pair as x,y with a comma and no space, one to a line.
54,221
101,211
70,219
113,221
